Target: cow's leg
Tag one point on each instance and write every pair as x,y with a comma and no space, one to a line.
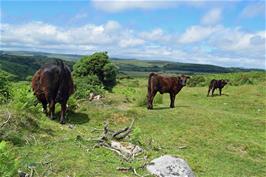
220,91
52,109
213,91
172,98
63,113
150,99
44,108
209,91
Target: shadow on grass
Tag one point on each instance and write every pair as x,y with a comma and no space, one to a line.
168,107
214,95
77,118
160,108
73,118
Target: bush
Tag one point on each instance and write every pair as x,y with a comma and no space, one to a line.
196,81
141,99
23,97
87,85
5,93
109,72
97,64
244,80
72,104
8,162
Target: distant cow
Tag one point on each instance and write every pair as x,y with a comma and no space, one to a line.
53,84
164,84
214,84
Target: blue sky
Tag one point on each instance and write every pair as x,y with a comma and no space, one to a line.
226,33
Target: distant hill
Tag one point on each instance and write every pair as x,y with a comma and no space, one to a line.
134,65
23,64
68,57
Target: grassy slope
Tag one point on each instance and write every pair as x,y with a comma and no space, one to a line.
224,136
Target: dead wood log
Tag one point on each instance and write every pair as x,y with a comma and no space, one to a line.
121,134
110,140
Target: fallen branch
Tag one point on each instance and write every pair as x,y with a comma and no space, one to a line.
115,150
109,139
124,132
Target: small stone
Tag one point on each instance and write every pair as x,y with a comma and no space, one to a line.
71,126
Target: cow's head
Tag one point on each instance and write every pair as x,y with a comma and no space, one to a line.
183,80
224,82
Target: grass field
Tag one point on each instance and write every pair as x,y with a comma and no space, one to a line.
221,136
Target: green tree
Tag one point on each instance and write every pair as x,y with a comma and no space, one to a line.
97,64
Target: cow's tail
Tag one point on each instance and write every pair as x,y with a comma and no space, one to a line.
149,82
62,80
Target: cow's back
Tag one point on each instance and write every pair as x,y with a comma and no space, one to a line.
163,84
54,81
50,78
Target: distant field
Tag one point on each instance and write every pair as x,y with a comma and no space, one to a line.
218,136
24,64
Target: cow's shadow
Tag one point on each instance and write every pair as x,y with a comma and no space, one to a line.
77,118
160,108
168,107
74,117
216,94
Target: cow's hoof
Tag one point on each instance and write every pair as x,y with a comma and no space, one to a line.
52,117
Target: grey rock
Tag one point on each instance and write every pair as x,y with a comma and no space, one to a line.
169,166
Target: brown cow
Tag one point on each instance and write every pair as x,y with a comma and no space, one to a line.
214,84
53,84
164,84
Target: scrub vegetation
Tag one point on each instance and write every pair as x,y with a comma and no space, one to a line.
218,136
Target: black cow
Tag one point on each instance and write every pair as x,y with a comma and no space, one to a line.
214,84
53,84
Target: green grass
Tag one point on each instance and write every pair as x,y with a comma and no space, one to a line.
223,135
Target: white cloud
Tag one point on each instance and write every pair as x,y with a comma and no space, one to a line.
155,35
121,5
130,42
237,40
198,44
197,34
112,26
254,9
212,17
